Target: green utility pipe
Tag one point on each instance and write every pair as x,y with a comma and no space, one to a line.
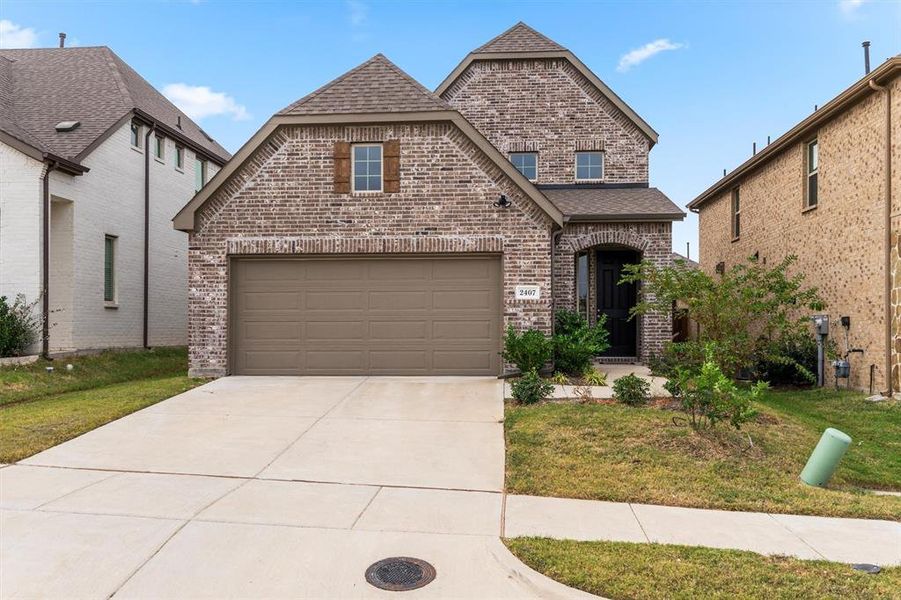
824,458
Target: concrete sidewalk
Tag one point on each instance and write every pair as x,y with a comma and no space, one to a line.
818,538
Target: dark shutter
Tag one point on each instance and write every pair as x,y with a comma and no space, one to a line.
342,167
392,166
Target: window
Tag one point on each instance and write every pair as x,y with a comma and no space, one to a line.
736,214
136,135
109,268
582,284
367,168
589,166
159,148
813,167
179,157
526,163
199,174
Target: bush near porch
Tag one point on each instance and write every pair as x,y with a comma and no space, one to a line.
623,454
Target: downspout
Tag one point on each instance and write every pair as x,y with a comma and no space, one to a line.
150,131
888,234
45,260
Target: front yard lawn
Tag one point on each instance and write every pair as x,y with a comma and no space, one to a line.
621,570
39,410
621,454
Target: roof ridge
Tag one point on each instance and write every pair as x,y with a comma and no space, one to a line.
483,49
117,74
411,80
328,85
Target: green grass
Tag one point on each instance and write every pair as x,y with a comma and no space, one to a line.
620,570
622,454
39,410
30,382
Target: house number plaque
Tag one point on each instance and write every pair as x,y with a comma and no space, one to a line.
528,292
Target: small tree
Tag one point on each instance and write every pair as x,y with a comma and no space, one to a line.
709,397
742,311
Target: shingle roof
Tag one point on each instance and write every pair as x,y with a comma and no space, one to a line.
376,86
693,264
633,203
519,38
43,86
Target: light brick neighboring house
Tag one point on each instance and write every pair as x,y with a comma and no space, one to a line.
376,227
829,192
75,124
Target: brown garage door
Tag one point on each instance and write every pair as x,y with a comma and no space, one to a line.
399,316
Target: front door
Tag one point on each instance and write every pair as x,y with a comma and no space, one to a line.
616,299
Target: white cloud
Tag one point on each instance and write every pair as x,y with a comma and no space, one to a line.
637,56
16,36
850,7
357,13
199,101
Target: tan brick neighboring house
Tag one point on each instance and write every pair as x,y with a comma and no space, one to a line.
376,227
819,192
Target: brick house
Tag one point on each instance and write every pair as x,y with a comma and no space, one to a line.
376,227
827,191
91,169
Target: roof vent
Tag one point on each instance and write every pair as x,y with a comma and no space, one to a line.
67,125
62,39
178,122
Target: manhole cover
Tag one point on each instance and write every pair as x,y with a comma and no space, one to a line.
400,573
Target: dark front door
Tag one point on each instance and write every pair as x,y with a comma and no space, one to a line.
615,299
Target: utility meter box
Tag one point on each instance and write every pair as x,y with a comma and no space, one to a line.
821,324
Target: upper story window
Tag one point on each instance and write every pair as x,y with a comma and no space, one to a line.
137,137
159,147
736,214
179,157
526,163
199,174
366,168
589,166
813,167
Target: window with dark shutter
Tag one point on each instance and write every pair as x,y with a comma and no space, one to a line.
342,167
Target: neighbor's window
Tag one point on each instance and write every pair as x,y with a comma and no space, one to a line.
367,168
136,137
199,174
589,166
526,163
582,284
109,268
179,157
736,214
159,147
813,167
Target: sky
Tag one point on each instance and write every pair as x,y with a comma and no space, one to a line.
710,77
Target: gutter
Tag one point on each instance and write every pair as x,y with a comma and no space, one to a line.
555,235
150,131
45,262
888,233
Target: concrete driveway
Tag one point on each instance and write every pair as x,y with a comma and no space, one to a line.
271,487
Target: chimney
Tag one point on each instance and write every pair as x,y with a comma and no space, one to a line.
62,39
866,57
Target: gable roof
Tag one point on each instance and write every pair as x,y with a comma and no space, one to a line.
523,42
377,85
41,87
520,38
802,130
394,97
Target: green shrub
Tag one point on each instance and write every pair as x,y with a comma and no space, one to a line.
18,326
687,355
576,342
559,378
632,390
531,388
594,377
791,360
710,397
529,350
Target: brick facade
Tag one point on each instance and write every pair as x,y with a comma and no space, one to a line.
547,106
283,201
840,245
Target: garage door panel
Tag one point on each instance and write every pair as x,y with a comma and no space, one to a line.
392,315
387,331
